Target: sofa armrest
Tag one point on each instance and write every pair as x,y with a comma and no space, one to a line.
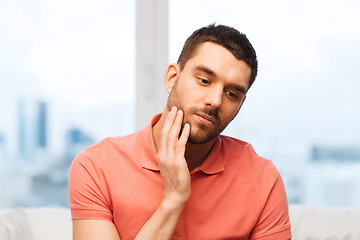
50,223
320,223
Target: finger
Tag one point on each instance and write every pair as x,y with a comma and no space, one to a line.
181,144
175,131
167,126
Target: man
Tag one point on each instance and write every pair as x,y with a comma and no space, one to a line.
179,178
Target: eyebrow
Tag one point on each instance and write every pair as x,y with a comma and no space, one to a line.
237,87
206,70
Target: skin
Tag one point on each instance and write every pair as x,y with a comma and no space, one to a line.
204,98
210,90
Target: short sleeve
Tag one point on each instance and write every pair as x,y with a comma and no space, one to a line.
274,222
88,192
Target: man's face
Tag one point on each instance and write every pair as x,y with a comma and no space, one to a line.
210,90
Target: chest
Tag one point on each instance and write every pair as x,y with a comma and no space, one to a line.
218,208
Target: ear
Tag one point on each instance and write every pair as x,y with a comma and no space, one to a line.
170,76
242,102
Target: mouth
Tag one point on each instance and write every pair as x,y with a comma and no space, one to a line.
206,119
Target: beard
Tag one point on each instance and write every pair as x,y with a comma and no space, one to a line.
199,133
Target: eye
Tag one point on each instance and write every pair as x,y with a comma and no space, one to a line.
204,81
232,95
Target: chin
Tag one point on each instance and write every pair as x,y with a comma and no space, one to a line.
201,138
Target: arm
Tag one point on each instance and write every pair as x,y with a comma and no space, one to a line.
176,178
94,229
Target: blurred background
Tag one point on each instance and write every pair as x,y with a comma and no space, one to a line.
68,79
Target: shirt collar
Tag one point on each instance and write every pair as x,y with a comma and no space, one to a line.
148,152
214,163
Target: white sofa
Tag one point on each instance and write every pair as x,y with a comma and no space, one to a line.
308,223
324,223
44,223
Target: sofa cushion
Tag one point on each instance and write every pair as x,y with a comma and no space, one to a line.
320,223
14,225
50,223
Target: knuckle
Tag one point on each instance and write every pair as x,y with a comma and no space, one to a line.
162,133
179,144
169,139
160,156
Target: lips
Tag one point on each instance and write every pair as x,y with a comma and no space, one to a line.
206,119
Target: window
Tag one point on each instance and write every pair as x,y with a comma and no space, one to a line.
302,111
67,80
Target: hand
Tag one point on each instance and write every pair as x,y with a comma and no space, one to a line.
173,167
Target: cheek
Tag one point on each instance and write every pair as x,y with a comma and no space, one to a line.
229,115
186,98
178,99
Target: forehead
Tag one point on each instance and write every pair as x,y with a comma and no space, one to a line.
220,61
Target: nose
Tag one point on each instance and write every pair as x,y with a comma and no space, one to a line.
214,97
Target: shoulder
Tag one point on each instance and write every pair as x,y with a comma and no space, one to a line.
95,168
243,153
112,143
236,146
104,153
265,185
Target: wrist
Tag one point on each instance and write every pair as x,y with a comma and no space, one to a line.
173,202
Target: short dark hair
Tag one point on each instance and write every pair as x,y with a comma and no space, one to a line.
230,38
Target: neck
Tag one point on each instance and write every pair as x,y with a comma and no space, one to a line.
195,154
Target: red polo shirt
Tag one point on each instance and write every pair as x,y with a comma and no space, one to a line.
235,194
